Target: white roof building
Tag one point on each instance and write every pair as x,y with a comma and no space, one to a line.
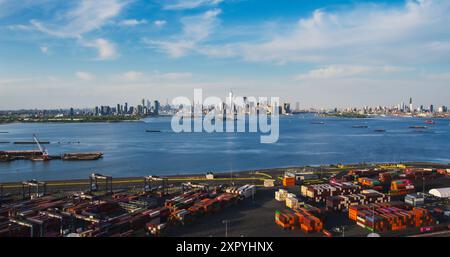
440,192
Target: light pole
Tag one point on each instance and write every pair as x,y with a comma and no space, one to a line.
226,227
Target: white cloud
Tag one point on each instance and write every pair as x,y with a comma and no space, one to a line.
132,22
175,75
131,75
160,23
155,76
342,71
189,4
439,76
195,29
44,49
83,17
106,50
374,34
86,76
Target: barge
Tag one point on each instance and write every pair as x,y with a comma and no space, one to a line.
82,156
37,155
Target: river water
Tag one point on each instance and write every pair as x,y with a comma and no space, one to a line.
131,151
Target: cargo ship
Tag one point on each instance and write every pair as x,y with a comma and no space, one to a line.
152,131
82,156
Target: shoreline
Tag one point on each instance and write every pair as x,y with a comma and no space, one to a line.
255,174
140,119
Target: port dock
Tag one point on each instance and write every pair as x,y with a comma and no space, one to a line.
308,202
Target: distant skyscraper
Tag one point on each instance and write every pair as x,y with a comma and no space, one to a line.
411,107
125,109
297,106
431,108
287,107
156,111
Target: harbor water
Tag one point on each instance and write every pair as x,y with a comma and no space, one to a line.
304,140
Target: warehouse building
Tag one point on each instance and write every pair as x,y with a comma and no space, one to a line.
440,192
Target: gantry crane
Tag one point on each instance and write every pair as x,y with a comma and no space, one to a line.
45,156
40,188
93,179
150,181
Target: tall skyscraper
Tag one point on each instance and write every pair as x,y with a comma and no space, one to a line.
156,111
125,109
411,107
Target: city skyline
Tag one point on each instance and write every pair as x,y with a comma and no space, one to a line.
321,54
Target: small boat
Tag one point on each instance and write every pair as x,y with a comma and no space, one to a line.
152,131
380,130
430,122
317,122
360,126
418,127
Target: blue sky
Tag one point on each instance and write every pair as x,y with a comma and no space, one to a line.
320,53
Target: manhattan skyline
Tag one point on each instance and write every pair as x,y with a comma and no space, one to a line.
323,54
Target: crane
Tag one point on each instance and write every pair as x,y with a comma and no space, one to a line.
45,156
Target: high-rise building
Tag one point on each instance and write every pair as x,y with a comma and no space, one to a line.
431,108
287,107
125,109
411,107
156,111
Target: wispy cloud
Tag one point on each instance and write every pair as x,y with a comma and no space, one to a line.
375,34
195,29
131,75
106,50
160,23
344,71
44,49
189,4
84,17
86,76
154,76
132,22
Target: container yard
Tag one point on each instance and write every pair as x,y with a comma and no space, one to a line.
104,212
335,202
